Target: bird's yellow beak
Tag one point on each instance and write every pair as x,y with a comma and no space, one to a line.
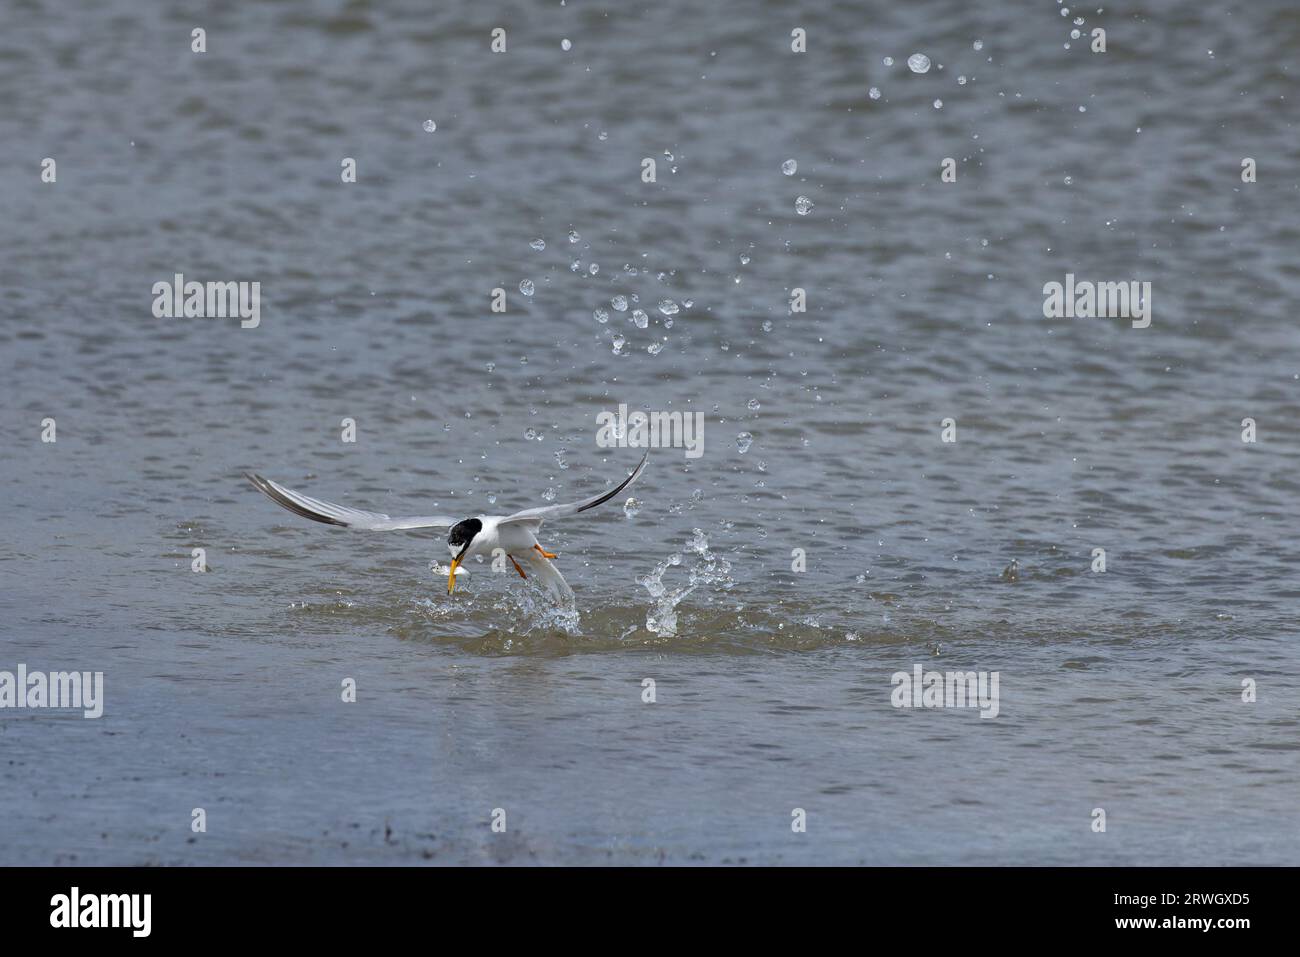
451,579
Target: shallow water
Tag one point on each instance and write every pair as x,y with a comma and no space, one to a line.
1119,690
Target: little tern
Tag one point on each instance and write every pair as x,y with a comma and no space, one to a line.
515,535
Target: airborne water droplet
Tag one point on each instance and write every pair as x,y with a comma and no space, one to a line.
803,205
743,441
790,167
918,63
526,287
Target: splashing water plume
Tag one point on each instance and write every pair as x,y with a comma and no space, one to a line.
704,568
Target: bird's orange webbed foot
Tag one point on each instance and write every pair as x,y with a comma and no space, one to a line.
545,553
517,568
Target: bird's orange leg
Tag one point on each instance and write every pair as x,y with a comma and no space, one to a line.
517,568
545,553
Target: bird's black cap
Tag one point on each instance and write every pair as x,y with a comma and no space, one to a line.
462,533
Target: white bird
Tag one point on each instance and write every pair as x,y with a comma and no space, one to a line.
515,534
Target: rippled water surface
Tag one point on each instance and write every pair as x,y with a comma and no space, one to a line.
1118,690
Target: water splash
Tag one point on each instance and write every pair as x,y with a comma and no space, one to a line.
704,568
524,608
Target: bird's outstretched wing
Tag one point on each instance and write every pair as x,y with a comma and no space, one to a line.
332,514
547,512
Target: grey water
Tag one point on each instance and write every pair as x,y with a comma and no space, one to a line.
1125,690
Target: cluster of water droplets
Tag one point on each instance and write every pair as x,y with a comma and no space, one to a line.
627,305
1075,33
920,64
639,317
704,568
